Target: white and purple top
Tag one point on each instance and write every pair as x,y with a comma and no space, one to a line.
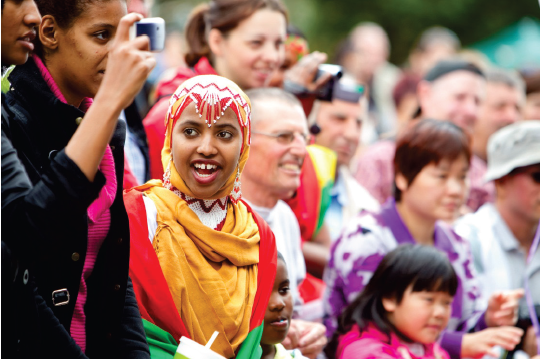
363,244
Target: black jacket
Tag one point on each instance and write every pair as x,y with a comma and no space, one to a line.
49,226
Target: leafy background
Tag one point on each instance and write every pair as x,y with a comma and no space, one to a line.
327,22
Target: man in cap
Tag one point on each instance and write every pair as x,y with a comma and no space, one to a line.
339,124
451,91
502,234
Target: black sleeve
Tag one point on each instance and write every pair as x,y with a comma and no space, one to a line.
30,214
15,181
132,339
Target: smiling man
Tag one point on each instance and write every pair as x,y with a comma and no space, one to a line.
272,174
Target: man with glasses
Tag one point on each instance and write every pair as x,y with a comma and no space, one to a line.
272,174
502,234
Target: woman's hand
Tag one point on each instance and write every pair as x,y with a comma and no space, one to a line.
502,308
128,65
304,71
308,337
476,345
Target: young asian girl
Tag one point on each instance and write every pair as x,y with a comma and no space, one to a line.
402,310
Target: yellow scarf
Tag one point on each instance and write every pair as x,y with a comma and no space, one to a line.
212,275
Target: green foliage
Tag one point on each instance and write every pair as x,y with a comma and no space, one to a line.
327,22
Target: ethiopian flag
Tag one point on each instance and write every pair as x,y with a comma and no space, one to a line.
313,196
310,204
162,322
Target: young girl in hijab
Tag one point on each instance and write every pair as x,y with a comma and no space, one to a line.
402,310
201,259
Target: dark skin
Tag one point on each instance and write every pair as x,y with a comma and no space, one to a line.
278,313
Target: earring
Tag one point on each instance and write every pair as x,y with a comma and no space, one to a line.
167,176
236,193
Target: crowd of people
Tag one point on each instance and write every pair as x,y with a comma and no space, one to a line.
257,201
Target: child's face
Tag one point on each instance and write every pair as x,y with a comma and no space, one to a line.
421,316
280,306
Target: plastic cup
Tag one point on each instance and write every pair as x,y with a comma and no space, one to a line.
188,349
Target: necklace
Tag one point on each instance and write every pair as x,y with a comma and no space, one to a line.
211,212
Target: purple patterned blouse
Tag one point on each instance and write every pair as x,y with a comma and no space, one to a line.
362,246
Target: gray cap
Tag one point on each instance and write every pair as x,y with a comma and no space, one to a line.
513,146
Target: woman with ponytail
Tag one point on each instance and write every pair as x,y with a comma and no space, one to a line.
242,40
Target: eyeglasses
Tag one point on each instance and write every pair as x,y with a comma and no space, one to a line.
286,137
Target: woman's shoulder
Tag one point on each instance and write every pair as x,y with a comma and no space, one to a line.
448,239
366,234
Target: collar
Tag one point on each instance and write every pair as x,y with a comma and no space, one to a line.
54,120
212,213
203,67
401,233
504,236
339,189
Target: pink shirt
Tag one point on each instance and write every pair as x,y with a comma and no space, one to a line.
372,344
375,169
99,217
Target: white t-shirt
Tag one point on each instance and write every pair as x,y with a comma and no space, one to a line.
284,224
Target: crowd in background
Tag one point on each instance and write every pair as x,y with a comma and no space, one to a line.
237,183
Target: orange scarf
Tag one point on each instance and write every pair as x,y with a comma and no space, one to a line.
212,275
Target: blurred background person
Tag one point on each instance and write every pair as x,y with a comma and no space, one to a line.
365,57
405,99
450,91
502,105
377,155
340,126
433,45
532,104
502,233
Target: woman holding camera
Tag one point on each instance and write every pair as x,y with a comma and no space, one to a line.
242,40
73,225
